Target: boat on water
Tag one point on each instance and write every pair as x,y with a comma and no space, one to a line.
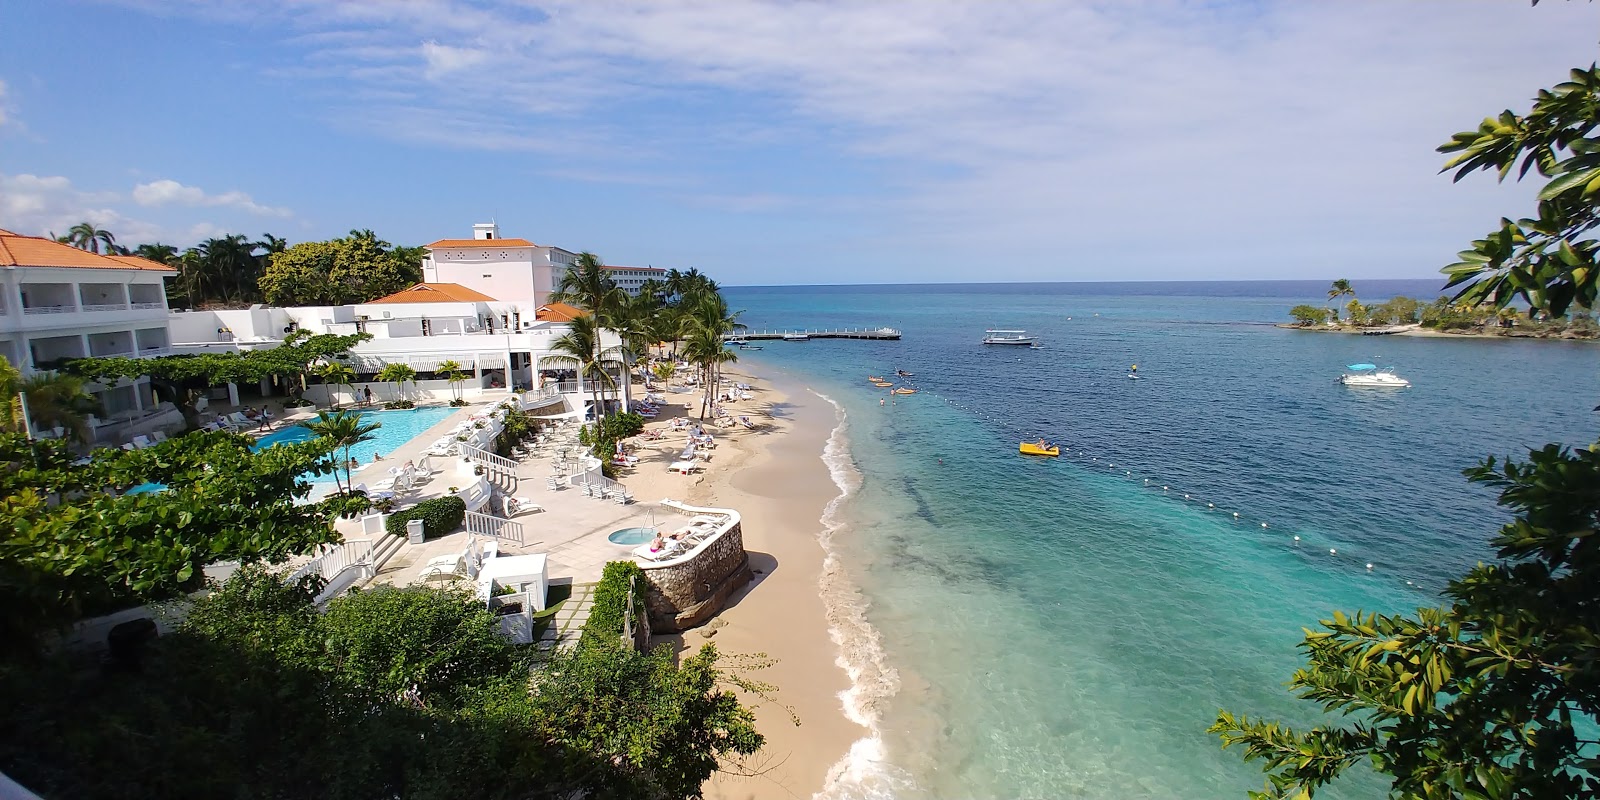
797,337
748,346
1039,448
883,384
903,390
1003,336
902,373
1370,376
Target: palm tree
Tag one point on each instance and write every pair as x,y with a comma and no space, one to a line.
55,400
587,286
664,371
336,374
397,374
453,374
85,236
272,244
157,252
347,429
581,345
705,348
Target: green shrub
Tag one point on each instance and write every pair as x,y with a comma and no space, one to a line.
611,600
394,405
621,426
1305,315
439,516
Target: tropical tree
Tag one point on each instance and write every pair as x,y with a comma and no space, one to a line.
85,236
581,346
157,252
452,372
344,430
336,374
1497,694
397,374
587,285
1306,316
664,371
350,269
54,400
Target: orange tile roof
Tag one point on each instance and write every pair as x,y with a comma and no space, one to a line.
436,293
17,250
558,312
444,243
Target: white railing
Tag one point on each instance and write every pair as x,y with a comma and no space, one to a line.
489,460
105,307
49,310
333,561
500,528
538,396
149,306
150,352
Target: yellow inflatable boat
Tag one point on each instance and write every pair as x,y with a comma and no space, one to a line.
1039,448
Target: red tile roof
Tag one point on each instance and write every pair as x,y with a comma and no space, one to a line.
17,250
436,293
558,312
447,243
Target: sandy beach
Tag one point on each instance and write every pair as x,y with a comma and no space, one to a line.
775,477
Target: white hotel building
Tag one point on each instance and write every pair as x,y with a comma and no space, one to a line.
484,303
59,302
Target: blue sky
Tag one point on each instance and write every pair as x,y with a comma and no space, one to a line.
784,142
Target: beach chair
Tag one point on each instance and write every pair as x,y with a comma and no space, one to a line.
552,483
128,446
448,567
140,442
425,466
521,505
158,437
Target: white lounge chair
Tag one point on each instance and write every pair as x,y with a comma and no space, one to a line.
684,467
447,567
158,437
521,505
553,483
140,442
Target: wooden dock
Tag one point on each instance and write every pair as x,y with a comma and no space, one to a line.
886,334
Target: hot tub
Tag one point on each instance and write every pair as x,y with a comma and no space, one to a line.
632,536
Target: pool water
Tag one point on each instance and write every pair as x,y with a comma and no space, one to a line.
398,427
632,536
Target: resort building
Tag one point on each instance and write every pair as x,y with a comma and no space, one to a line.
58,302
631,279
496,266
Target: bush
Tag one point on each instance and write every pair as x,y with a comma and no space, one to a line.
621,426
611,600
439,516
395,405
457,403
1303,315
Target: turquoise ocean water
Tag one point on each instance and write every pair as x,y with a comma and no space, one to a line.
1020,627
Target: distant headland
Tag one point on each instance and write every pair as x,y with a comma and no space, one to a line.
1406,316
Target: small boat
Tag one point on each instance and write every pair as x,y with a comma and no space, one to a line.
902,373
749,346
1369,376
1039,448
1001,336
903,390
797,337
883,384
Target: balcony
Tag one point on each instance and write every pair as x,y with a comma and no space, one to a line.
110,344
149,306
105,307
103,296
31,310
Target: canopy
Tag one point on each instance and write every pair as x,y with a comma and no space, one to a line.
1363,366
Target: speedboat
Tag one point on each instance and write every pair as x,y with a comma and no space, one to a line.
1368,375
797,337
903,390
749,346
1000,336
1039,448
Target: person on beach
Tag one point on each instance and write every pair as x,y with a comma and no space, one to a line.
264,422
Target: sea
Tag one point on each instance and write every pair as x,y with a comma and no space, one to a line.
1023,627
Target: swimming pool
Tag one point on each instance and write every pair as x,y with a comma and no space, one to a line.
632,536
398,427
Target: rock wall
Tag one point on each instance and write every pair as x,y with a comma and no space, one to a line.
687,594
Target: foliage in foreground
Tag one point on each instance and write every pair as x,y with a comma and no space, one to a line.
391,693
72,545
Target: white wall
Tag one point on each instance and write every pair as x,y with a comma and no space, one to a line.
502,273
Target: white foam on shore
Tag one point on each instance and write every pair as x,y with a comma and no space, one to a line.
864,772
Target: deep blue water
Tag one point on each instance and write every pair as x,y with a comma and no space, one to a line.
1066,628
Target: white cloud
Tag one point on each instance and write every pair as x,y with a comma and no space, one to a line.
40,205
1238,138
169,192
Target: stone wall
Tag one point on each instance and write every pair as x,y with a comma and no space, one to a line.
685,594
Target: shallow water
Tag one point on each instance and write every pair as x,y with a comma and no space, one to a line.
1023,627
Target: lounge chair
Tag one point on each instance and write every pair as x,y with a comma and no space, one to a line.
553,483
684,467
447,567
158,436
521,505
128,446
140,442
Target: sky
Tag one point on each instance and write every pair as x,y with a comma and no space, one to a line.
789,142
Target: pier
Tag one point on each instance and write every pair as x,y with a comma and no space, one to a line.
887,334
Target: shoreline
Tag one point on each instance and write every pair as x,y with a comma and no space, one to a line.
1431,333
777,479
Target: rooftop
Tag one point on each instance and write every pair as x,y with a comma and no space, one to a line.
558,312
640,269
17,250
448,243
436,293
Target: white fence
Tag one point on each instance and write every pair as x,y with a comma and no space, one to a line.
500,528
339,565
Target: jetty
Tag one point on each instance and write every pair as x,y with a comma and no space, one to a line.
829,333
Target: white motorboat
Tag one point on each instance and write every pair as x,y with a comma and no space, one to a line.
1000,336
797,337
1368,375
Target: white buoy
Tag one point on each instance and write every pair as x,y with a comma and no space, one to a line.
1369,565
1146,480
1235,515
1186,497
1127,472
1332,552
1297,538
1409,583
1211,505
1163,488
1263,524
